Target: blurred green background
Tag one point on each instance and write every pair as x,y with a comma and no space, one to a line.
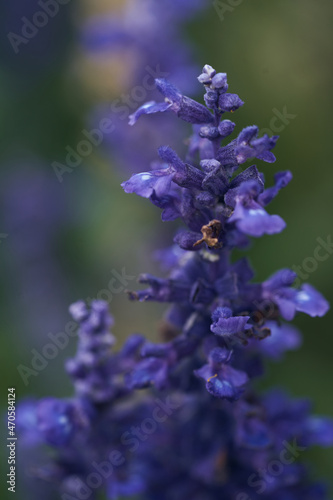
278,55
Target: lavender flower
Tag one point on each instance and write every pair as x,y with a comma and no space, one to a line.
227,441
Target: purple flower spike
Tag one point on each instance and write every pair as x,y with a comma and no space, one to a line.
290,300
282,338
149,108
226,325
255,221
248,146
185,108
147,183
181,437
147,372
222,381
226,128
230,102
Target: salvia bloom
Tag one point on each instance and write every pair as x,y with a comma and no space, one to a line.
147,36
181,418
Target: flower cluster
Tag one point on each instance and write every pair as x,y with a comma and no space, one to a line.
182,418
